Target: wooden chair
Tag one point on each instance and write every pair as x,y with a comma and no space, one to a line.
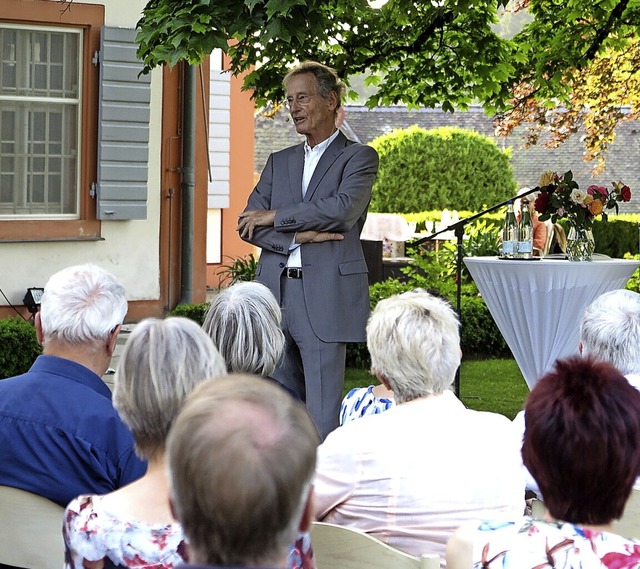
629,524
30,530
538,509
340,547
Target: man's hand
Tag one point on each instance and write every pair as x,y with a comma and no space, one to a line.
317,236
249,220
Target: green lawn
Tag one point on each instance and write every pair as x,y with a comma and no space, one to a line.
485,385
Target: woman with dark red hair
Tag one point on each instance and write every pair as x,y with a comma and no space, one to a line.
582,445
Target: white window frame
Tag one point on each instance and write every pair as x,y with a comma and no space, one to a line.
48,103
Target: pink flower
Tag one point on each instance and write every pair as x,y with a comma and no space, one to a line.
593,189
616,560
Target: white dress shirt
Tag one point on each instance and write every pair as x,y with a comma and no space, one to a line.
311,158
413,474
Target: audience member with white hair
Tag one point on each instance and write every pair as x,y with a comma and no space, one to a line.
241,458
413,474
162,362
244,321
610,332
59,433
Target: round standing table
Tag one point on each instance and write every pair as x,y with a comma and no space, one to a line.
537,305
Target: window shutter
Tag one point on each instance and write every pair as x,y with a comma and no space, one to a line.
219,132
123,130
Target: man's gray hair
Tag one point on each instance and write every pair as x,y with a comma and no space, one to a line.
610,330
162,362
244,321
327,80
414,342
241,456
81,304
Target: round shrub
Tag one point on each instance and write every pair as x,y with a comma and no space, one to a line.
440,168
18,347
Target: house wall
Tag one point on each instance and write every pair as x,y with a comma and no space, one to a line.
143,254
241,181
128,249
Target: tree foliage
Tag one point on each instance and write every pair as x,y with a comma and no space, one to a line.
578,66
439,168
422,53
575,62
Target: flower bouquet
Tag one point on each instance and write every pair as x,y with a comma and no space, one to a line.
560,197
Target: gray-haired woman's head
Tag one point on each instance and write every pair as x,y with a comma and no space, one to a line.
244,322
162,362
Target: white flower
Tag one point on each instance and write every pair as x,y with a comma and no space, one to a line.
578,196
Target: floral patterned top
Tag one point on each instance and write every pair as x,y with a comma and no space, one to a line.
361,401
96,539
538,544
92,534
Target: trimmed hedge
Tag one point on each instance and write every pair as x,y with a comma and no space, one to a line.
195,312
617,236
18,346
439,168
479,336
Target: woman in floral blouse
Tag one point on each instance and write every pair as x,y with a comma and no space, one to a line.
162,362
133,527
582,445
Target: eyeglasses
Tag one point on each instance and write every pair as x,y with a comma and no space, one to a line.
301,100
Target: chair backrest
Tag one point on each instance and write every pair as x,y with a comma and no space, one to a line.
629,524
30,530
340,547
538,509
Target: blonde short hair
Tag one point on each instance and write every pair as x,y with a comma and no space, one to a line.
414,342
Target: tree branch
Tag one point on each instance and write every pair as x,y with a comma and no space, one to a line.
603,33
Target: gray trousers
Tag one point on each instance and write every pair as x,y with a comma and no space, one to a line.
312,368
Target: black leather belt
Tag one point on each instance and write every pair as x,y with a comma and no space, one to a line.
293,273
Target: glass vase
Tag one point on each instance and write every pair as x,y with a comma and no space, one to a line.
580,244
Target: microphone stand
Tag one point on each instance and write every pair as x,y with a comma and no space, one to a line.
458,229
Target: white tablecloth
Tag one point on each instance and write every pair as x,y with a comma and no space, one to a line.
538,305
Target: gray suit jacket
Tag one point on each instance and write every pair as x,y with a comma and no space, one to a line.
335,273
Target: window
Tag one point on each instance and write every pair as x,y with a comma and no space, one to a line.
48,120
40,124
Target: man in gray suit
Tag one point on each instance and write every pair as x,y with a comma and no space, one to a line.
306,213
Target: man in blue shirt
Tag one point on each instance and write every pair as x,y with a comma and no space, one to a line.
59,433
